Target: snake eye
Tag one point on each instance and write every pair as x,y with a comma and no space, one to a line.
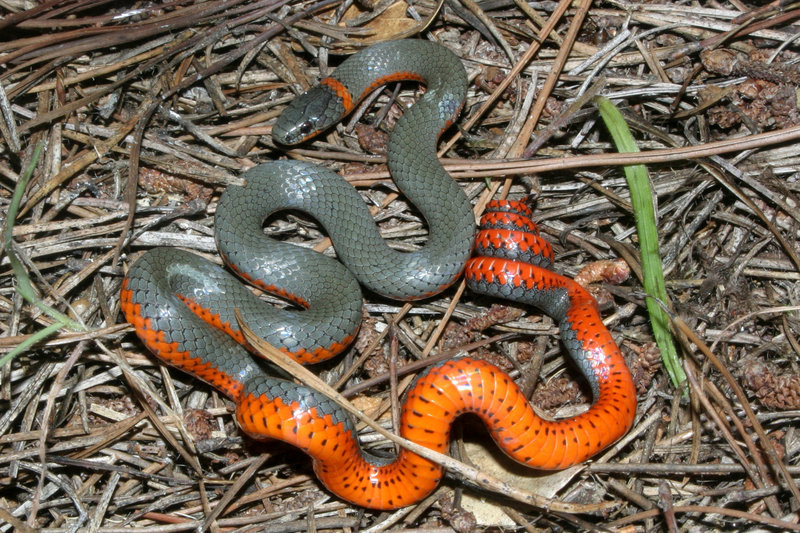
305,128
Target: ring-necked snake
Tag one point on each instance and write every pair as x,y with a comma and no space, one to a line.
173,297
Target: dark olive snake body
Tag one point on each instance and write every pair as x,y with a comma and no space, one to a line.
182,306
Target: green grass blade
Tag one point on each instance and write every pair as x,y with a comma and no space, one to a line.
644,214
40,335
23,281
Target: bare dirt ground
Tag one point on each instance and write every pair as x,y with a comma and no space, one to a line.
147,111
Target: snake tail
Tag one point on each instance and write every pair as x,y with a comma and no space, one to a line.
512,262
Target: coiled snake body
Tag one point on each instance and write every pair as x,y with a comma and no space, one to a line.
182,306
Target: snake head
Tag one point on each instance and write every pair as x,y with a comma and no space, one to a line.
307,115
